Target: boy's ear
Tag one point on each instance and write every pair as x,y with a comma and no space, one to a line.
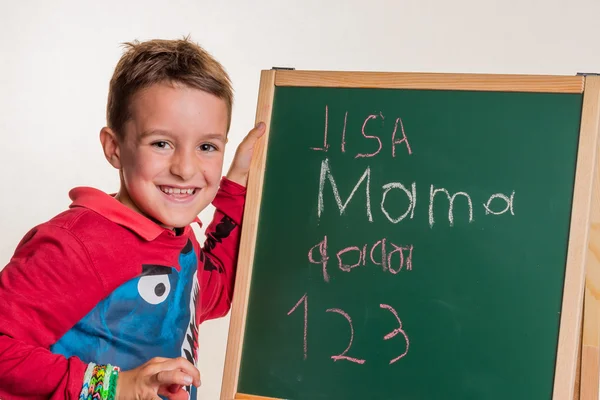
110,146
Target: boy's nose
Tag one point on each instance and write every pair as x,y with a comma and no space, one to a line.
184,165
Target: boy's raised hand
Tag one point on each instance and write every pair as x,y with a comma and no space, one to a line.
159,376
240,166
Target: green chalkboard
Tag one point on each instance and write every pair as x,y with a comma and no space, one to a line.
366,286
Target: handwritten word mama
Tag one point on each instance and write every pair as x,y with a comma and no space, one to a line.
490,206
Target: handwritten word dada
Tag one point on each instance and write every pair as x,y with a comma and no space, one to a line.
380,254
327,175
343,355
397,136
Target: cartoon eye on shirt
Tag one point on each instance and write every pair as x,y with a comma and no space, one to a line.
154,285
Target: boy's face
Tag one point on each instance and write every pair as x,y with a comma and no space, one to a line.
171,154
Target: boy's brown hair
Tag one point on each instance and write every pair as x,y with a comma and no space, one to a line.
154,61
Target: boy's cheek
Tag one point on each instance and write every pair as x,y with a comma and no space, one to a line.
214,172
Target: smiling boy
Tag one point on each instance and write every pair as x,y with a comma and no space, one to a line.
104,300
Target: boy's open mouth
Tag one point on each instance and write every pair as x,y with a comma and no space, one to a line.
178,191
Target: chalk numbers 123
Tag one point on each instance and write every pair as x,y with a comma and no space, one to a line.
347,354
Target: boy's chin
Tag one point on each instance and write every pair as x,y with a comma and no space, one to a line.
177,223
171,222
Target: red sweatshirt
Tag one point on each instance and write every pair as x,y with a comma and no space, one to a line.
101,283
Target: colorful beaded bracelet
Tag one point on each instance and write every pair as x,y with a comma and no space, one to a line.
99,382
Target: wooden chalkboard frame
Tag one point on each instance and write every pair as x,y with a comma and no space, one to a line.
590,346
578,354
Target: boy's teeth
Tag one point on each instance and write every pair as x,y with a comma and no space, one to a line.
177,190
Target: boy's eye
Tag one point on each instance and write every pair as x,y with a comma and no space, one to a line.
161,145
207,147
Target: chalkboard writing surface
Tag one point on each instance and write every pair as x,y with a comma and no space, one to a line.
413,243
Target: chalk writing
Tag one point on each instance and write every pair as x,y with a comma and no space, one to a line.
359,155
509,203
325,144
305,300
403,140
343,355
384,254
355,256
432,193
396,331
324,258
348,267
412,198
383,262
378,115
326,175
344,133
400,250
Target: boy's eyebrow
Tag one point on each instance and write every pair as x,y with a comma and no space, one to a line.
220,136
153,132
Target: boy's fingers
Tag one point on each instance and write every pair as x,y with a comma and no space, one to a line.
182,365
158,359
259,129
174,392
173,388
172,377
251,138
255,133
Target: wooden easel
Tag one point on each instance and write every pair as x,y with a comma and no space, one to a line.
579,342
589,376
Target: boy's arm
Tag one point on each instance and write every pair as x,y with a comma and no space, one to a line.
218,257
48,285
220,251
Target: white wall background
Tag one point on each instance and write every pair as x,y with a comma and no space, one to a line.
56,58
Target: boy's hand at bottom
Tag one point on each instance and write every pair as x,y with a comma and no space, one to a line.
159,376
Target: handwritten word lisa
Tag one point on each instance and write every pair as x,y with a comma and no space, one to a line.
344,355
398,135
